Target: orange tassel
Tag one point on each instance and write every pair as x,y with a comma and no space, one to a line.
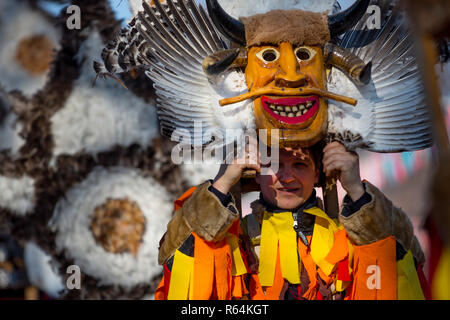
203,269
256,290
375,271
159,294
311,269
222,270
339,251
273,292
212,265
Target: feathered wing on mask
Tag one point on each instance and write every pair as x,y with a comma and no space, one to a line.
391,115
171,40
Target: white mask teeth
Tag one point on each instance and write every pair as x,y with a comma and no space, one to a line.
291,111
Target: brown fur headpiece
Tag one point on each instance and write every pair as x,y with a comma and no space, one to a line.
295,26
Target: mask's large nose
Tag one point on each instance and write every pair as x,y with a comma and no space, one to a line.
289,76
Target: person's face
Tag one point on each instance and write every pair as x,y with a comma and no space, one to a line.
294,182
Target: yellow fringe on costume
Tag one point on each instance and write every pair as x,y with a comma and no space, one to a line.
181,278
277,234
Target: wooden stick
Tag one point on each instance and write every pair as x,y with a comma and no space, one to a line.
249,174
330,198
288,92
236,191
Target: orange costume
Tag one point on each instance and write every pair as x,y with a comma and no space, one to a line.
214,255
302,77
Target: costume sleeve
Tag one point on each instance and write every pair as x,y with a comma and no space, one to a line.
225,199
350,207
200,251
204,214
379,219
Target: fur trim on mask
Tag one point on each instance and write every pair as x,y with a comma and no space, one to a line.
295,26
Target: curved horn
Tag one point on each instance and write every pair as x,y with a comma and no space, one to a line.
343,21
218,62
230,27
348,63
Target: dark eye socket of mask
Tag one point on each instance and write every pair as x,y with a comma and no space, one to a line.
303,54
269,55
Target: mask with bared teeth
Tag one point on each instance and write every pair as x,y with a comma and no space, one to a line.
285,59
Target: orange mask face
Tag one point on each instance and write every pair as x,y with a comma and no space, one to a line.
302,119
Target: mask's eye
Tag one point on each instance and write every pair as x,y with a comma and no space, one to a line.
304,53
268,55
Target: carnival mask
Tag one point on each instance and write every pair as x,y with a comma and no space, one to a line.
285,70
290,68
300,118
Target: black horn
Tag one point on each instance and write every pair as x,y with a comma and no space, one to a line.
230,27
220,61
343,21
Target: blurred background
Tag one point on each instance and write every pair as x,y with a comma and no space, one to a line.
73,154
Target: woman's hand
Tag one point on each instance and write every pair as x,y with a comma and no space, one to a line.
336,157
